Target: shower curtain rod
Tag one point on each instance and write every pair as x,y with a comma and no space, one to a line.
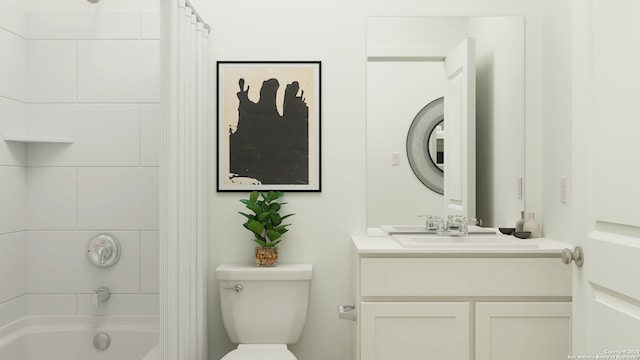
193,9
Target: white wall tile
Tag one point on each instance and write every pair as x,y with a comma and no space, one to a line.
13,120
120,304
83,25
13,199
58,263
150,262
13,310
13,66
12,17
150,134
118,71
103,134
51,198
52,74
51,304
118,198
150,25
13,255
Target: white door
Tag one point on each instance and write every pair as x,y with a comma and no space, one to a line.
460,131
606,178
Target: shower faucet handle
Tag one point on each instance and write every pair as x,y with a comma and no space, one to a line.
103,251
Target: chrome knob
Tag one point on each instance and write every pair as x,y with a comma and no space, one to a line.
577,256
103,251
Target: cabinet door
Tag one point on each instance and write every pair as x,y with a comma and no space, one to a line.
416,330
523,331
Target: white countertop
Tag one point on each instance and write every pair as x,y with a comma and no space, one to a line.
378,242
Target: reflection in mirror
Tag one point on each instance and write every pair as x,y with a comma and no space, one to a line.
403,58
436,145
423,144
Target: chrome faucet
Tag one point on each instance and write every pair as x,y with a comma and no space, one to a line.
455,225
102,294
103,250
104,253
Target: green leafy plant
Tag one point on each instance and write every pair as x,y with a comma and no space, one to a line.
265,221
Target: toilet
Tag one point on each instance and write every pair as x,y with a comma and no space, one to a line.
263,308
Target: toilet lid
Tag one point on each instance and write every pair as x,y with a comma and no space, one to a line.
260,352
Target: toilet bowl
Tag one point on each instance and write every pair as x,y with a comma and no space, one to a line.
263,309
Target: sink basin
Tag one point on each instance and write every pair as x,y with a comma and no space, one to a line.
464,242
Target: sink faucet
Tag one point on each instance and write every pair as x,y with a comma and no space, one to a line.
457,225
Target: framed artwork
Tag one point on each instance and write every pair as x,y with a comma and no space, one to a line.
268,125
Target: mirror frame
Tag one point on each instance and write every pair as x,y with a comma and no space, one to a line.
420,161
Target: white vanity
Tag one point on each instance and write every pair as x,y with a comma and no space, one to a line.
462,302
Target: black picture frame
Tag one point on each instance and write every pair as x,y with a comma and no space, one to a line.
268,125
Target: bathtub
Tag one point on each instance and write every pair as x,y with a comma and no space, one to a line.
71,338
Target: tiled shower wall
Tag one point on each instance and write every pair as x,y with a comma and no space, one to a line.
92,77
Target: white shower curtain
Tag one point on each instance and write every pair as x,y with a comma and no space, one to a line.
183,217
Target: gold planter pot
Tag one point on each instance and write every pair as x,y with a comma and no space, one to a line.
266,256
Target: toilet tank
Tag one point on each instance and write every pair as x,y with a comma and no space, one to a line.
264,305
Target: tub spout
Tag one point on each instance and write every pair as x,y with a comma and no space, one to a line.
101,295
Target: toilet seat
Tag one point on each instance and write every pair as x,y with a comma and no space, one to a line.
260,352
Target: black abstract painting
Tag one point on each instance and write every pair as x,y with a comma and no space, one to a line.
268,126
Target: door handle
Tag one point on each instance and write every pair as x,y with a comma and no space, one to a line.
577,256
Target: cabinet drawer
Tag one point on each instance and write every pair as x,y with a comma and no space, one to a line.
465,277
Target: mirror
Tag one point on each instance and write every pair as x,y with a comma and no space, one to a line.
404,74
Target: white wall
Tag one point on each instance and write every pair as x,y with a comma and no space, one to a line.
92,76
556,94
335,33
13,172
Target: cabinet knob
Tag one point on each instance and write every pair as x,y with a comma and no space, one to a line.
577,256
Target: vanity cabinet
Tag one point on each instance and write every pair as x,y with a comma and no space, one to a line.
469,305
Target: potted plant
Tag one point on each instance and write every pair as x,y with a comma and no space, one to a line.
266,224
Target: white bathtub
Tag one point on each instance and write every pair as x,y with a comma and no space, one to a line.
71,338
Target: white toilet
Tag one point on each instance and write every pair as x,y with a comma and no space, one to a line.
263,308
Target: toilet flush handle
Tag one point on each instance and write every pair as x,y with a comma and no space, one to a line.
237,288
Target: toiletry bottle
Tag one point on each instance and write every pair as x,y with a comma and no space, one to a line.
532,225
520,222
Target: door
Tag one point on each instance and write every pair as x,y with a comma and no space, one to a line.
606,178
460,133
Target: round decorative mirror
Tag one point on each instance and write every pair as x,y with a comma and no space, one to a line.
425,145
